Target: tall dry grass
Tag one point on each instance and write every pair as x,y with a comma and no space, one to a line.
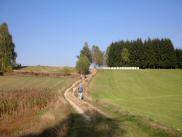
17,102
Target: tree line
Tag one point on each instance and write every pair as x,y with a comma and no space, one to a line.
89,56
151,53
7,49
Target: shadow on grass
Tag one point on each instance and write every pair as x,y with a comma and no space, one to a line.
76,126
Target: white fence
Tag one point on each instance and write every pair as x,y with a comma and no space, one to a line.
128,68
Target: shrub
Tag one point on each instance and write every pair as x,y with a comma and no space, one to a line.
9,69
83,64
23,100
66,71
1,73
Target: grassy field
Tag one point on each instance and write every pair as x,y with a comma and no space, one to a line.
154,94
17,82
30,101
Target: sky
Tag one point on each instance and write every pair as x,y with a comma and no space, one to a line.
52,32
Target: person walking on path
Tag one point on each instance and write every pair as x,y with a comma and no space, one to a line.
80,91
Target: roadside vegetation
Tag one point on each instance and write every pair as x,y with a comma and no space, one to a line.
147,101
27,103
45,71
18,102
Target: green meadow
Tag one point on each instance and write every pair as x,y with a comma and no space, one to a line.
153,94
19,82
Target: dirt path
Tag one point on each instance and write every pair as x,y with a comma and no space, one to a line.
81,106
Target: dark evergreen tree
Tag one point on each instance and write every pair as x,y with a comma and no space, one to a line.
125,56
156,53
179,58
